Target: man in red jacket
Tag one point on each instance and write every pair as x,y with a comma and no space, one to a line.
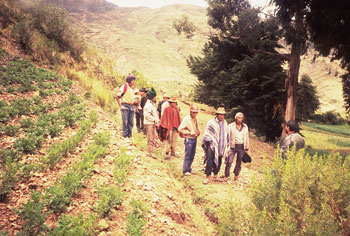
169,124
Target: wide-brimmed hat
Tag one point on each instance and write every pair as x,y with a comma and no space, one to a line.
172,99
221,111
246,158
194,109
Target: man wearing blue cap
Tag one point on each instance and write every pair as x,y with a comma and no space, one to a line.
126,101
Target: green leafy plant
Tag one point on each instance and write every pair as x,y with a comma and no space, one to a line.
28,145
136,220
33,216
110,197
102,138
8,153
22,106
11,130
8,177
58,196
75,225
26,123
28,169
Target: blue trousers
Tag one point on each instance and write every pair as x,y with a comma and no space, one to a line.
128,119
190,151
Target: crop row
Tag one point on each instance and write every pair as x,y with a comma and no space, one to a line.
18,75
13,170
55,199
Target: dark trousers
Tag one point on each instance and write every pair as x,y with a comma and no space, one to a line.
211,167
239,150
190,151
139,121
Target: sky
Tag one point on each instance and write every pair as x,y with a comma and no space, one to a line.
161,3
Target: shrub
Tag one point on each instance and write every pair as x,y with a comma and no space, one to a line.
45,32
28,169
303,196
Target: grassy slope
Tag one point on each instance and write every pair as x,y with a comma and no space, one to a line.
325,139
143,39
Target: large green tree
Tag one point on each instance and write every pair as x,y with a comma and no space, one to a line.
329,27
325,23
233,74
291,14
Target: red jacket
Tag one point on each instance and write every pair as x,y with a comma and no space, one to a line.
170,119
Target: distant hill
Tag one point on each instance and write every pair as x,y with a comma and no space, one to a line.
144,39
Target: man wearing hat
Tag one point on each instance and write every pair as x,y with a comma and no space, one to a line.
239,143
293,138
151,120
138,110
126,101
189,128
216,144
169,125
159,109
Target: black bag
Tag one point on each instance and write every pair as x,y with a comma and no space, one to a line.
246,158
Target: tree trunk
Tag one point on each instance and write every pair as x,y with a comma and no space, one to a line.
292,83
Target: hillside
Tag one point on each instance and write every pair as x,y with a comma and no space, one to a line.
144,39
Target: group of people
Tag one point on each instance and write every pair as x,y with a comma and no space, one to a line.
221,141
160,122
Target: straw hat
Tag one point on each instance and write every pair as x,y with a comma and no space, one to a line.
221,110
172,99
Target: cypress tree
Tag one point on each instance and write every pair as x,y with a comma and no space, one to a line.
231,72
308,101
